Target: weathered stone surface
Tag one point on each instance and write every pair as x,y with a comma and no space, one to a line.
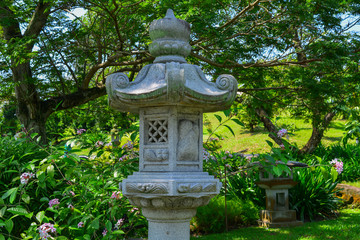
277,213
350,194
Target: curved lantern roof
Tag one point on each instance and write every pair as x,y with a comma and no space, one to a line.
170,80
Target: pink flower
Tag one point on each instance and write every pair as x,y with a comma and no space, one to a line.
45,229
128,146
80,224
206,155
337,164
99,144
115,195
119,223
24,178
227,166
134,210
53,202
80,131
104,232
123,158
70,206
282,132
282,146
72,193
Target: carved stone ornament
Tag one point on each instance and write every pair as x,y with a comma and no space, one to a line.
188,148
156,155
196,187
147,188
173,202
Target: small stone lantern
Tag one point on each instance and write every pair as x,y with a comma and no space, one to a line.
170,97
277,213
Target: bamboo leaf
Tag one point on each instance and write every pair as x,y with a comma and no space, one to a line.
230,129
218,118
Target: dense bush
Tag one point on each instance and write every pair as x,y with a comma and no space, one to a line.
314,195
53,191
212,217
349,154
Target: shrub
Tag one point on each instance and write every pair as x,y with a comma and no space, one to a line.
211,218
349,154
68,197
314,195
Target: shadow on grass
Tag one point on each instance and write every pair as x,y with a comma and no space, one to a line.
332,139
337,125
345,227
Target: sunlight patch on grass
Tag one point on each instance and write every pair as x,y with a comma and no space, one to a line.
255,142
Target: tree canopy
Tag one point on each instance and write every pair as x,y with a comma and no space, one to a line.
300,55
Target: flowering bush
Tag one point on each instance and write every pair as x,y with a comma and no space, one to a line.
337,164
66,196
45,229
24,178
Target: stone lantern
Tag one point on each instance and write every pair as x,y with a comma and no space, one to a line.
170,97
277,213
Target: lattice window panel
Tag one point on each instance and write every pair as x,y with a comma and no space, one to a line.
158,131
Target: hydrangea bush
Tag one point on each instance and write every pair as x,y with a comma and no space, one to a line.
57,193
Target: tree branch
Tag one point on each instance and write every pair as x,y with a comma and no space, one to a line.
258,64
72,100
37,22
111,62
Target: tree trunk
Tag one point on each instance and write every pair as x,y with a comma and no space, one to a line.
318,132
29,108
270,127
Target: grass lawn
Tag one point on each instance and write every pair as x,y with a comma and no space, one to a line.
344,227
255,142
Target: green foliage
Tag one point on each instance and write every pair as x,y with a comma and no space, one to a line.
86,189
352,131
212,217
349,154
314,195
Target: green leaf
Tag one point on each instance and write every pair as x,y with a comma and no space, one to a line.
2,211
9,192
25,198
218,118
33,135
118,232
108,225
13,195
40,216
227,112
277,170
237,121
50,170
44,199
133,136
2,237
9,224
95,223
18,210
334,174
29,215
230,129
41,176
